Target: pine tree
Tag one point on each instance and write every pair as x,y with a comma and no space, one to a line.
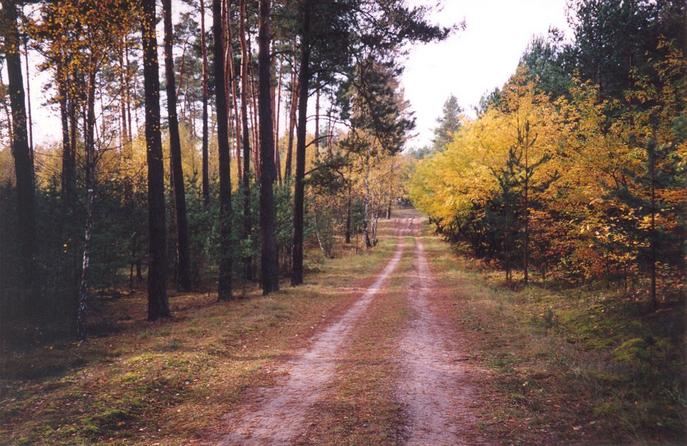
448,124
270,267
23,162
225,248
158,306
183,254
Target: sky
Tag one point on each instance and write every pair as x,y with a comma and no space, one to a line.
476,59
467,64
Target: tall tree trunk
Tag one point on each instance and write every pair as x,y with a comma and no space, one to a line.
366,203
277,156
128,94
124,136
269,260
23,162
136,105
234,97
245,64
192,120
182,70
68,195
89,146
348,216
28,98
391,189
292,119
299,197
254,105
158,305
73,111
330,130
183,254
317,122
228,50
205,143
224,282
100,131
68,177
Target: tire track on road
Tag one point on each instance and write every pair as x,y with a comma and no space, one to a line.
281,410
436,388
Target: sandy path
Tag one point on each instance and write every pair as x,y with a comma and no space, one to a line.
436,387
279,414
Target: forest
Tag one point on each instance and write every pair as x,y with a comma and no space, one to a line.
232,237
215,193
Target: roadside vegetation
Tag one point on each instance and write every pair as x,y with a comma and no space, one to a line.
564,202
581,364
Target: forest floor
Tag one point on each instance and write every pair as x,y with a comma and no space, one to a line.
403,344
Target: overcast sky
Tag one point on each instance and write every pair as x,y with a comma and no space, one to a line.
474,60
467,64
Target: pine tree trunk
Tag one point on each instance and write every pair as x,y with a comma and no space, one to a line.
68,195
124,134
269,265
28,100
23,162
128,94
206,136
245,63
317,123
391,190
234,97
228,74
183,254
224,282
277,156
158,306
299,196
254,107
292,121
348,216
73,111
68,178
366,203
89,143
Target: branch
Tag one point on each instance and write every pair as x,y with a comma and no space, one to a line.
317,139
315,169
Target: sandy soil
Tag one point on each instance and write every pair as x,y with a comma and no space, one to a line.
437,387
277,414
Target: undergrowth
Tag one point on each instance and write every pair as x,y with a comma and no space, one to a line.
583,364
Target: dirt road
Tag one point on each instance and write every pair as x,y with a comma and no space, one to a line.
437,385
434,389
